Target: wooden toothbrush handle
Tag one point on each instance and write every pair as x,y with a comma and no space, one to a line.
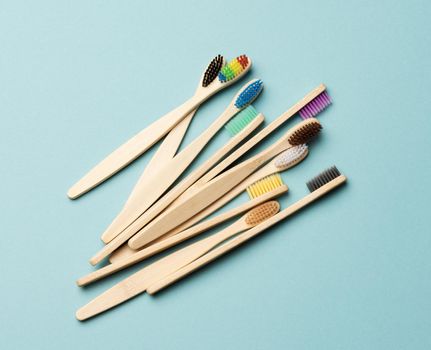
166,151
132,149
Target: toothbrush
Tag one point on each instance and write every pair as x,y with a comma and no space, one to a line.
254,185
138,282
319,186
172,169
141,142
220,185
172,141
314,102
248,117
257,184
127,259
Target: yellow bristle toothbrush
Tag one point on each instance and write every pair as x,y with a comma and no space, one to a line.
141,142
257,184
318,186
310,105
160,181
139,281
138,256
243,124
217,187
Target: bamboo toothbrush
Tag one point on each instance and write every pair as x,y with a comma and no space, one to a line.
314,102
257,184
171,170
141,142
254,185
319,186
137,256
138,282
220,185
249,119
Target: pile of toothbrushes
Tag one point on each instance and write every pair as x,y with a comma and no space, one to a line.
159,215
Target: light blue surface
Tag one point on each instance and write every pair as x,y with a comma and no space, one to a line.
352,272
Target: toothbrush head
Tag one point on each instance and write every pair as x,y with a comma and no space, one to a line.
315,106
265,185
304,132
248,93
234,69
212,70
323,178
261,213
291,157
241,120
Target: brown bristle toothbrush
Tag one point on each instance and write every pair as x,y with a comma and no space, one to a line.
139,281
128,257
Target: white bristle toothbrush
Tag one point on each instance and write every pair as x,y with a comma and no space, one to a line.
260,182
319,186
141,142
217,187
248,119
128,259
139,281
160,181
315,101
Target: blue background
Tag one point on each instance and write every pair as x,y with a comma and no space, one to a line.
351,272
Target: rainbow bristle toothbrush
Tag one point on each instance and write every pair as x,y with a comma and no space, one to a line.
172,169
217,187
170,144
129,257
139,281
141,142
318,186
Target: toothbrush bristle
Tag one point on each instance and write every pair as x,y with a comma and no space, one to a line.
291,157
315,106
249,94
264,185
212,70
323,178
262,213
241,120
234,68
305,133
